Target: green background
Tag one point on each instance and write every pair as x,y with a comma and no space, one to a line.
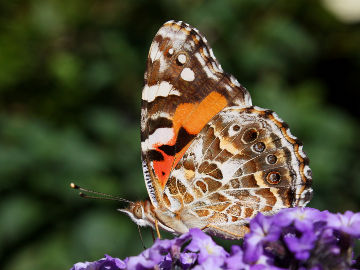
71,74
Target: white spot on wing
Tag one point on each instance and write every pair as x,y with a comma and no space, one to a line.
234,81
200,59
248,100
187,74
155,54
163,31
163,63
182,58
206,52
160,114
178,39
154,50
307,171
301,151
174,92
174,203
206,69
209,73
163,89
212,54
229,168
260,109
293,137
160,136
277,117
233,132
216,68
228,87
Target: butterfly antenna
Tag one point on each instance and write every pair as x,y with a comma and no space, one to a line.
102,196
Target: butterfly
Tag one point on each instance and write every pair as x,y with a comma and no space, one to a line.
210,159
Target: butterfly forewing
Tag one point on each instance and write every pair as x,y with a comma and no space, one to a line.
184,88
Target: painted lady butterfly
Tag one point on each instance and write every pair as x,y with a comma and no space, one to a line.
210,159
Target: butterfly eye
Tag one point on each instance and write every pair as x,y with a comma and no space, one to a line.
273,178
138,212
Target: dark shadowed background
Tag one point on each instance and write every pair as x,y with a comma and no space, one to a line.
71,74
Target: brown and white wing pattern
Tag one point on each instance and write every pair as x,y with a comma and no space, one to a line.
184,88
244,161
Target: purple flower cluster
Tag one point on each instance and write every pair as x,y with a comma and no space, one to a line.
296,238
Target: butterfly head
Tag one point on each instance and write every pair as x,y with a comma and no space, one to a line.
138,212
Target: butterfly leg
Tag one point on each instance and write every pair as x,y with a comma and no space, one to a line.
142,240
153,235
242,231
157,229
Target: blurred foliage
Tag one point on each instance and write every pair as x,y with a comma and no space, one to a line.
71,74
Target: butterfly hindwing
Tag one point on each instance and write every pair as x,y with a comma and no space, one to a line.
244,161
185,87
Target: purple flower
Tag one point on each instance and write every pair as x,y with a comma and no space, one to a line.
302,246
348,222
329,241
187,259
141,262
261,230
113,263
84,266
159,248
299,238
166,263
206,247
107,263
211,263
235,261
153,256
303,218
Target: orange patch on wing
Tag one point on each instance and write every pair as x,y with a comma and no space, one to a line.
192,117
181,115
162,168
